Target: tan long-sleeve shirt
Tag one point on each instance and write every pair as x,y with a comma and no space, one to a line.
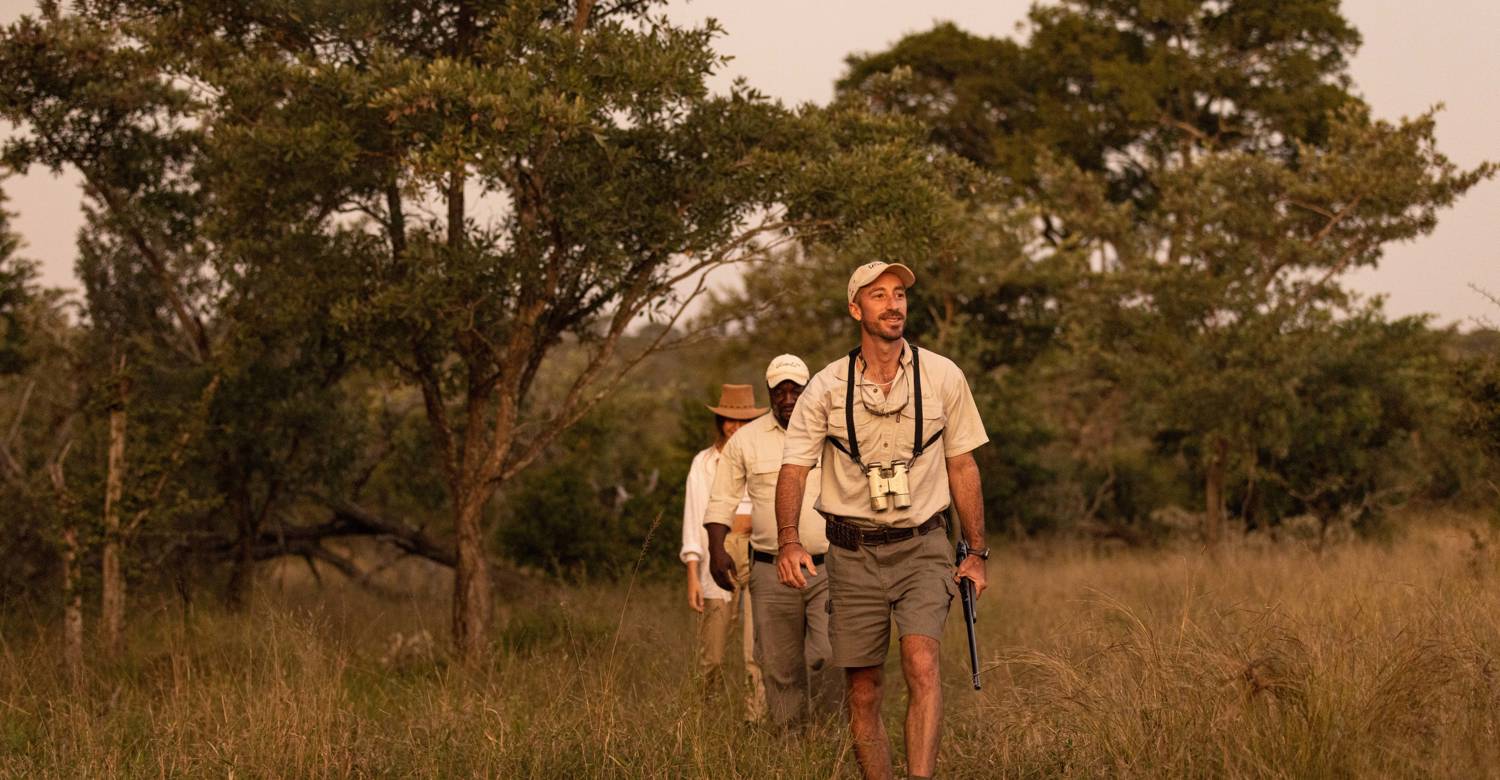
751,461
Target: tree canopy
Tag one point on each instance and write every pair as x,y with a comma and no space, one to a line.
447,274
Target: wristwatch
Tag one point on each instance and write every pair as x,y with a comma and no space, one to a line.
982,555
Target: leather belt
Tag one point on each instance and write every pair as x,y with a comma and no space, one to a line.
849,536
765,557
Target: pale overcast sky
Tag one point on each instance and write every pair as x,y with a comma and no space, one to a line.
1413,57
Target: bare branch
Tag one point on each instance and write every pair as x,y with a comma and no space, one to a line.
351,519
437,417
12,470
1197,135
155,256
15,426
55,470
312,551
581,20
1316,209
1336,269
1334,220
566,417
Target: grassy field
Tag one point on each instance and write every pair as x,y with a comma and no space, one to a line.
1272,661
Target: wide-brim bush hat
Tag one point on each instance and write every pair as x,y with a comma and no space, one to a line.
737,402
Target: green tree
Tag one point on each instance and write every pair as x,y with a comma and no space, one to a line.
493,180
227,397
17,277
1211,305
42,399
1202,177
1121,87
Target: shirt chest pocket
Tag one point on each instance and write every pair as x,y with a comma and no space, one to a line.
839,416
838,424
933,421
764,464
763,471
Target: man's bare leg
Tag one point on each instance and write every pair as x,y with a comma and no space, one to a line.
924,706
871,746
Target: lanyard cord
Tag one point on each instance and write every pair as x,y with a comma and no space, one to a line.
918,446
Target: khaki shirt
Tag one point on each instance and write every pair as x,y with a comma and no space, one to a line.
947,405
752,459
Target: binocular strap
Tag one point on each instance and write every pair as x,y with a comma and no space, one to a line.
918,446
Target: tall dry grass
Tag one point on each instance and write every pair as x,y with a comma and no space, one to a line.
1367,661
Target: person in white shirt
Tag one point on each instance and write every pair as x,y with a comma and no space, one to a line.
720,606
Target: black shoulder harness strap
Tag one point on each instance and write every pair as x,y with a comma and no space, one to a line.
918,445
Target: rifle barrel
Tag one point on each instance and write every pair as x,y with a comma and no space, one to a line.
966,594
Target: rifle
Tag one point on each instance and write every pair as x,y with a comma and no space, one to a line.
966,593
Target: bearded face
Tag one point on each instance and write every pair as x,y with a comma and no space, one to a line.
880,307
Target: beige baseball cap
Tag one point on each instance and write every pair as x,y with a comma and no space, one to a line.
784,367
868,272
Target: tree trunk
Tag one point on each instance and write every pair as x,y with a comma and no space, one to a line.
242,574
471,577
1213,518
72,606
71,592
111,580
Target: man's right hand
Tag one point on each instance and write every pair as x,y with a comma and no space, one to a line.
695,594
721,567
790,560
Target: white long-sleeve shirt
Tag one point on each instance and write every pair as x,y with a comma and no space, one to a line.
700,481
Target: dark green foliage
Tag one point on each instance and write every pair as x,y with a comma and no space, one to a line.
590,507
618,476
1116,87
15,279
17,292
1372,390
1477,418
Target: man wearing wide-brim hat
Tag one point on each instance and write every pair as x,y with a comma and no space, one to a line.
720,607
895,427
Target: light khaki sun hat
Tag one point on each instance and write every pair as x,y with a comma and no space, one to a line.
737,402
868,272
784,367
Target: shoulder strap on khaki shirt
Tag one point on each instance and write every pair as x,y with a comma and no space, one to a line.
918,446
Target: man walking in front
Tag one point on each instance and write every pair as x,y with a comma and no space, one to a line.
791,625
895,428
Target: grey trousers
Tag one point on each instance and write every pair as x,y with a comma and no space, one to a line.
791,642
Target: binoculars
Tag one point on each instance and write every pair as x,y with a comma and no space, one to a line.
888,480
